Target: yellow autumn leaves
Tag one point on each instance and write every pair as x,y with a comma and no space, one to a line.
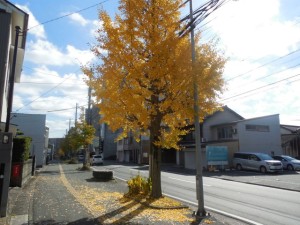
145,72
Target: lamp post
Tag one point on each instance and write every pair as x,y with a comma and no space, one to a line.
12,80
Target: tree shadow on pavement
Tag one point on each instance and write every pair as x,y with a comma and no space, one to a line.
83,221
117,217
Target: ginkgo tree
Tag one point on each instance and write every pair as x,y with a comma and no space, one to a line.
143,82
80,136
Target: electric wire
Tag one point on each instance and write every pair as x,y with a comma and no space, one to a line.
42,95
267,63
258,88
67,15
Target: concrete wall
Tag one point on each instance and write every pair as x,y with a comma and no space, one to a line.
34,126
260,141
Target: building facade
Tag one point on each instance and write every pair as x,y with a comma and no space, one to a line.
10,17
105,139
34,126
227,128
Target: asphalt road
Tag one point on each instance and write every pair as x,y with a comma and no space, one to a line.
264,205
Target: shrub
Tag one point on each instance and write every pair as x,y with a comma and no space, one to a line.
21,149
139,185
73,161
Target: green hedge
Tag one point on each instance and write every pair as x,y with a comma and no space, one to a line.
21,149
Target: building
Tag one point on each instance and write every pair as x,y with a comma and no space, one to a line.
290,139
105,139
129,150
227,128
10,17
224,128
34,126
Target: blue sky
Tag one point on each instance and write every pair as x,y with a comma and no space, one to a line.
260,38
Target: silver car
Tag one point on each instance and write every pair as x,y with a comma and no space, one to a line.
288,162
96,159
256,161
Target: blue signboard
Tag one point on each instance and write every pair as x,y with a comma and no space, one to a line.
217,155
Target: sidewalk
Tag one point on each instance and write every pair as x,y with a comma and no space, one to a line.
20,199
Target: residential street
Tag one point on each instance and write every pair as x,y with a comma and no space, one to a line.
261,202
61,194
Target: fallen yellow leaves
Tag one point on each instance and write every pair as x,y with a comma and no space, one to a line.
113,207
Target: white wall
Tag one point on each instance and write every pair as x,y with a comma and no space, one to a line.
221,117
190,158
260,141
34,126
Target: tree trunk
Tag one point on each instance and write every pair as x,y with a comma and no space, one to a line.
155,157
155,171
86,161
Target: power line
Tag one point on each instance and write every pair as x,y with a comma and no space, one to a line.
199,15
57,110
49,83
271,74
42,95
267,63
67,15
261,87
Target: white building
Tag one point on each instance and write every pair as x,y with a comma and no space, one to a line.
34,126
10,17
227,128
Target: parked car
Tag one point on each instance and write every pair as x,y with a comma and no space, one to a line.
288,162
80,157
96,159
256,161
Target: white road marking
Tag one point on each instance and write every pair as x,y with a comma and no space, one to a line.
216,210
193,182
209,208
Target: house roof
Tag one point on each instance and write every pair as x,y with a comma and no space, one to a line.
243,120
291,128
224,108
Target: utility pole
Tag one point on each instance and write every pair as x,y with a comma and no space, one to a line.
76,114
12,80
89,116
199,180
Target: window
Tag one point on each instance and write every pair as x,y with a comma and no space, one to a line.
126,141
259,128
225,132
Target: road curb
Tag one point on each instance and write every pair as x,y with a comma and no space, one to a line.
258,184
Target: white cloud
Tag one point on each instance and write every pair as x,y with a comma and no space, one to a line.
79,19
37,30
45,53
252,29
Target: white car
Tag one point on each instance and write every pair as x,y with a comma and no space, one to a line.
288,162
96,159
